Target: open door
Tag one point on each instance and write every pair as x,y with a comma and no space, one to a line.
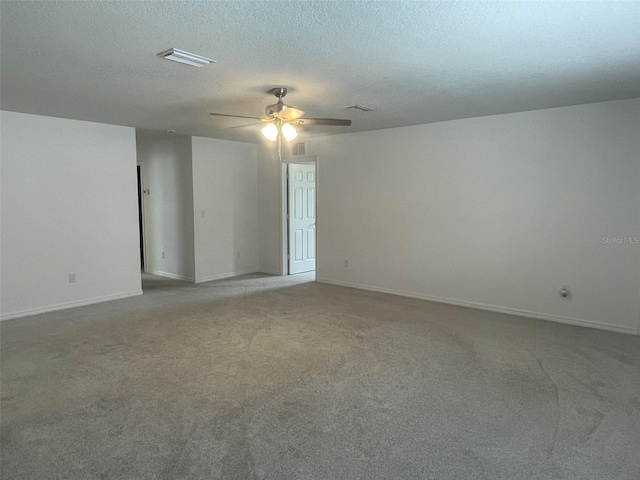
302,217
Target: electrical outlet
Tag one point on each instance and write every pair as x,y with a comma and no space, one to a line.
72,278
346,264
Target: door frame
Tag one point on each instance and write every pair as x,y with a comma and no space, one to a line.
284,200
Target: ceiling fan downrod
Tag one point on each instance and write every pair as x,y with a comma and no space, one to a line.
272,111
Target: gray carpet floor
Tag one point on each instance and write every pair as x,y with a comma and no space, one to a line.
262,377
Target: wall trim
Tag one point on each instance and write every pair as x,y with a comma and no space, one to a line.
160,273
227,275
270,272
64,306
487,307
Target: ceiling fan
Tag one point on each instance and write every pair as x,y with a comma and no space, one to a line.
282,119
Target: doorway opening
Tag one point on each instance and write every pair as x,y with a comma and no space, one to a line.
299,215
140,219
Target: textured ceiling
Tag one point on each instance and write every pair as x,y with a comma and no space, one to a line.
414,61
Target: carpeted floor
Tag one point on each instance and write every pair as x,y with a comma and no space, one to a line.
262,377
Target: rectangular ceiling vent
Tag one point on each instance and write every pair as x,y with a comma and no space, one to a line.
186,58
360,108
298,148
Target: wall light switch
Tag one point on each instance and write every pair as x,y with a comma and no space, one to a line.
72,278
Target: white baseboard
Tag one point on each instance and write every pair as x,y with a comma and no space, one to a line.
490,308
63,306
170,275
271,272
226,275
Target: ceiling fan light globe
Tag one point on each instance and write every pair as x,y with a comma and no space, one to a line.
288,132
270,131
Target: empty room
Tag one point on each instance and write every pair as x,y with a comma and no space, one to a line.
320,240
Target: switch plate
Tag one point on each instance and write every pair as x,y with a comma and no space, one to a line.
72,278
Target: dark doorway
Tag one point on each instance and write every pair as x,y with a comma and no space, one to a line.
140,220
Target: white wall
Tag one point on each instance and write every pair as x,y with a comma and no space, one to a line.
166,171
269,210
495,212
225,197
69,205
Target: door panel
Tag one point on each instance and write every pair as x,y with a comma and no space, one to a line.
302,218
298,209
297,246
311,203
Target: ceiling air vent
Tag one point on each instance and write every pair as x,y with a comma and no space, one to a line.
186,58
298,149
360,108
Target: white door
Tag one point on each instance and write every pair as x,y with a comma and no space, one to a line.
302,218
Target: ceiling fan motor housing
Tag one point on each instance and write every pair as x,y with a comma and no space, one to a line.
275,109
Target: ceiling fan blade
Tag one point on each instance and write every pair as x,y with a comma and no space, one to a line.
247,125
324,121
290,114
234,116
